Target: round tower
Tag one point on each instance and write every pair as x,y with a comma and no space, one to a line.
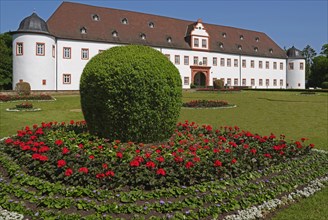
295,78
34,54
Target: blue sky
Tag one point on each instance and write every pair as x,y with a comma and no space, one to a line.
287,22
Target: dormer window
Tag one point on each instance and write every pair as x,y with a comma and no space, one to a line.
115,34
83,30
221,45
241,37
224,35
124,21
151,24
95,17
239,47
256,49
257,39
169,39
143,36
271,50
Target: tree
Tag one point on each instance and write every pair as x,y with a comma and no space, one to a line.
6,61
324,50
319,71
309,53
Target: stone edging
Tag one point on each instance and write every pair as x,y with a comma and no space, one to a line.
23,110
35,100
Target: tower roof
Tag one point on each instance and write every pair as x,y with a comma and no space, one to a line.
33,23
294,53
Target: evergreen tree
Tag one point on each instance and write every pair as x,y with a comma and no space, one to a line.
6,69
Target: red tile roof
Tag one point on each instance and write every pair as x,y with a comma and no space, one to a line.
69,18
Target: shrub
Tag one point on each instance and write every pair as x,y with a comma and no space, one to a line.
131,93
218,84
23,88
205,104
24,105
324,85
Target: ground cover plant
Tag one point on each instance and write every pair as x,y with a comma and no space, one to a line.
17,97
206,104
297,117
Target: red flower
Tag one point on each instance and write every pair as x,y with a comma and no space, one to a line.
25,147
68,172
150,164
196,159
233,144
110,173
227,150
36,156
43,158
137,151
189,165
61,163
178,159
9,141
160,159
80,146
34,149
59,142
311,145
119,154
100,175
253,151
268,155
246,146
105,166
44,149
147,155
72,122
65,150
83,170
217,163
158,151
161,171
134,163
215,150
91,157
233,160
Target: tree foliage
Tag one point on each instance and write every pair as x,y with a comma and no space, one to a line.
324,50
309,53
319,71
6,68
131,93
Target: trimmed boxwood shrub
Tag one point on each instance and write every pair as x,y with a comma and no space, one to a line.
131,93
23,88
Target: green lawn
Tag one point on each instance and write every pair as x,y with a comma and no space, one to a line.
287,113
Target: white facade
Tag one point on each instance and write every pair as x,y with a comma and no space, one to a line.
295,74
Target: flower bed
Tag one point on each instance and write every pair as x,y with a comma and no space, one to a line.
61,170
206,104
10,98
25,106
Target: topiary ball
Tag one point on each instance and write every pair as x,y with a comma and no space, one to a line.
131,93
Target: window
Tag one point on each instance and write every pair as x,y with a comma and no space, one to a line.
271,50
244,63
83,30
205,61
44,82
291,66
215,61
115,34
84,54
229,62
95,17
224,35
274,82
260,82
66,78
239,47
252,64
281,65
244,82
257,39
252,82
186,80
235,63
281,82
221,45
53,51
169,39
195,60
222,62
177,59
267,65
143,36
301,66
19,49
167,56
256,49
241,37
222,79
274,65
267,82
260,64
229,82
40,49
124,21
204,43
67,53
151,24
186,60
299,84
235,82
196,42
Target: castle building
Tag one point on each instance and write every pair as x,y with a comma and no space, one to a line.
51,55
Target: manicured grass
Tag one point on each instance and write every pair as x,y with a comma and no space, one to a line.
287,113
